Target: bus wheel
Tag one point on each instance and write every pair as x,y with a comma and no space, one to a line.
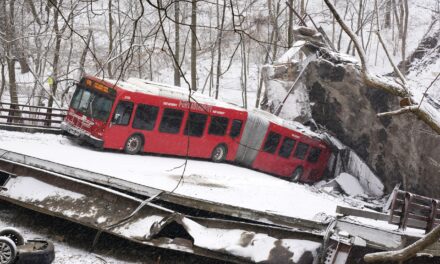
219,153
8,251
133,145
297,173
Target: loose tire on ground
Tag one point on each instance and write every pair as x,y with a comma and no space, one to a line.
13,234
8,251
36,251
297,174
219,153
133,144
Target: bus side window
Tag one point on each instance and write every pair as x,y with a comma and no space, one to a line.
171,121
235,128
218,125
195,124
272,142
145,117
123,113
314,155
286,147
301,150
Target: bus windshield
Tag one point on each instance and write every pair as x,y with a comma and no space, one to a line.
91,103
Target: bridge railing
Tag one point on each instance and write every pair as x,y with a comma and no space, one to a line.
31,116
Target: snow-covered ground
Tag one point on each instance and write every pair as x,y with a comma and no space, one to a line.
223,183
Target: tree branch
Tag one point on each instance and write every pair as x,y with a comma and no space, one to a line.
405,253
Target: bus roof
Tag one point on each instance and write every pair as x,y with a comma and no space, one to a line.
169,91
293,125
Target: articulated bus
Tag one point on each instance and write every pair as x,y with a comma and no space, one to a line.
142,116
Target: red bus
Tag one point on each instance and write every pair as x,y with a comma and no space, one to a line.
141,116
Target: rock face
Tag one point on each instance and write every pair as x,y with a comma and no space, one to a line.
399,149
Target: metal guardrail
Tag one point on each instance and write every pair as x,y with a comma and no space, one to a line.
29,118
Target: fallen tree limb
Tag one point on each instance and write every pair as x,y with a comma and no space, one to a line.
405,253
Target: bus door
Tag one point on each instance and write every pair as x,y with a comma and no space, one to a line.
118,129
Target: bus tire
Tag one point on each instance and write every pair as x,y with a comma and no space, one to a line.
133,144
12,234
219,153
8,250
297,174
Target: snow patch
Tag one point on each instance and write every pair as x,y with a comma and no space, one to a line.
28,188
139,228
254,246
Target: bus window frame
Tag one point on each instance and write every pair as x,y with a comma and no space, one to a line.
182,120
157,115
113,120
226,129
275,148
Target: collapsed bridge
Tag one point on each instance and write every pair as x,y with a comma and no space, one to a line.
219,211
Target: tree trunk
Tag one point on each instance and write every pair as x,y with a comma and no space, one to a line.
404,34
194,45
177,44
219,52
3,84
56,59
290,26
387,19
12,87
243,74
7,25
110,39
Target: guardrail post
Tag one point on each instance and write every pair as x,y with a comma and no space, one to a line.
432,216
405,211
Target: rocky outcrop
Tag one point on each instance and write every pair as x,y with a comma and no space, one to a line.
399,149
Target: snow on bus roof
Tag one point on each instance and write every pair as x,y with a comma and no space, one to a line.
293,125
160,89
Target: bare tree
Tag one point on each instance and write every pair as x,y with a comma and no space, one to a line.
7,26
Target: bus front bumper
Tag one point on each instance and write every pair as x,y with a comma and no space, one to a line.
82,135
